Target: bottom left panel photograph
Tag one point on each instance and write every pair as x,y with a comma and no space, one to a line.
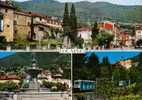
35,76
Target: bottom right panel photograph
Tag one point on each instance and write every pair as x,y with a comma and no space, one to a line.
107,75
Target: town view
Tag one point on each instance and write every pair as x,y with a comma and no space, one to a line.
54,24
107,76
35,76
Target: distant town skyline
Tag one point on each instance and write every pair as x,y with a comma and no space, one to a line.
120,2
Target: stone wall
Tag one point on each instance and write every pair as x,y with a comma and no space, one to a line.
22,26
42,96
35,96
85,96
8,21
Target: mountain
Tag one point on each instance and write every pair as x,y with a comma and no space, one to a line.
49,7
50,61
86,11
43,59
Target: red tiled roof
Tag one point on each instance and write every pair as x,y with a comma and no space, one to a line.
84,29
33,14
124,33
38,15
22,13
10,77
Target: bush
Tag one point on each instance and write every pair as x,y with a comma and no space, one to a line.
139,42
2,87
62,87
48,84
104,39
11,86
128,97
55,86
2,39
3,42
135,88
8,86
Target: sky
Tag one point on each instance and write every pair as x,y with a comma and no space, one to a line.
5,54
114,56
121,2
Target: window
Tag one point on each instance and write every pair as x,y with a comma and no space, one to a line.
6,10
1,24
15,22
41,29
8,25
29,23
15,31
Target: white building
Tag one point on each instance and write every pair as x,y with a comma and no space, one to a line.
138,32
85,34
126,63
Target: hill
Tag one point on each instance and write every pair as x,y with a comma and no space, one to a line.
50,61
86,11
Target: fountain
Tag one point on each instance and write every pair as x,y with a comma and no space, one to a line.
31,87
33,73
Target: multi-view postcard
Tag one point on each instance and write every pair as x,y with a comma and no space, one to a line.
65,24
70,49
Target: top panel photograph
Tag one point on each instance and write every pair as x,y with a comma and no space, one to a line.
70,24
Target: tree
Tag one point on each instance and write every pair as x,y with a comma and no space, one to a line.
139,43
70,24
80,42
73,23
135,74
86,68
104,39
93,65
105,88
106,68
66,20
2,39
116,75
95,31
3,42
120,73
78,65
